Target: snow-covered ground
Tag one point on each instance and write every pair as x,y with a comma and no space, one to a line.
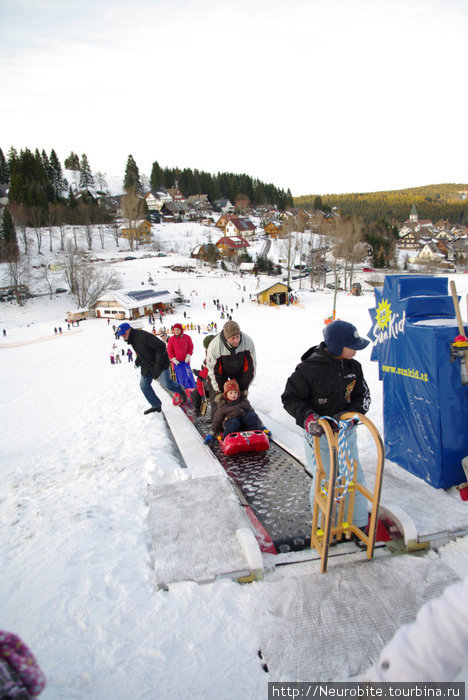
77,581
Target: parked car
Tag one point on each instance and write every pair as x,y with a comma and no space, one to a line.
129,257
368,269
61,290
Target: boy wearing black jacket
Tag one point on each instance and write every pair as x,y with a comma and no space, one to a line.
329,382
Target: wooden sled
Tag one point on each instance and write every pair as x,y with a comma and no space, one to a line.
333,517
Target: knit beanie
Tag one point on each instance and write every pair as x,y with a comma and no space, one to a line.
207,341
231,328
179,326
230,385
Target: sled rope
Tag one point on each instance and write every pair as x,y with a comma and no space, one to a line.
345,472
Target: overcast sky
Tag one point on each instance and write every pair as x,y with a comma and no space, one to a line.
319,96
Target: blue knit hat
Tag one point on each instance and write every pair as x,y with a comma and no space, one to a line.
341,334
123,328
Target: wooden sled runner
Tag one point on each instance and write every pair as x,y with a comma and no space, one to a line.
333,513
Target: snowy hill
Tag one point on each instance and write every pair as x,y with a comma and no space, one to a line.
78,454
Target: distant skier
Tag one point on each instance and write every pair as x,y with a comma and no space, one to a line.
153,360
129,355
234,413
329,382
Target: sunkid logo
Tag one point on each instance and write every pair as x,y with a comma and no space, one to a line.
387,324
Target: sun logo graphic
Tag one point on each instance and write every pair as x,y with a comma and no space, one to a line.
383,314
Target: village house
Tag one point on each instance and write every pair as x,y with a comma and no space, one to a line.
274,229
139,231
156,199
239,227
132,304
231,246
224,205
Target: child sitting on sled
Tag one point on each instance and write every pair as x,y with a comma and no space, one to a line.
234,413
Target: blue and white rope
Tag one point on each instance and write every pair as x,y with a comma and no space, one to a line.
344,455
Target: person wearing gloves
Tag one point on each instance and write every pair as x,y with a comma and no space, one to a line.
153,361
234,413
179,345
329,382
432,648
231,355
180,351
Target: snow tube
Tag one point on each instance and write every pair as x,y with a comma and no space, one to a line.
184,375
247,441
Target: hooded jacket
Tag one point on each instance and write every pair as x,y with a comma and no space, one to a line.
179,346
151,352
225,362
325,385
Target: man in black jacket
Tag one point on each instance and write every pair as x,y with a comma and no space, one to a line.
329,382
153,360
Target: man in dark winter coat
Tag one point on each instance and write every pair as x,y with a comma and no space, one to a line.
153,360
329,382
231,355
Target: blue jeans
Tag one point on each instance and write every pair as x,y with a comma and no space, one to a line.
248,422
165,380
360,517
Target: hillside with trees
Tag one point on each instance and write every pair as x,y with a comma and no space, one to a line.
434,202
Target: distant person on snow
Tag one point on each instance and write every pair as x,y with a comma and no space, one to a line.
180,351
153,360
234,413
329,382
231,355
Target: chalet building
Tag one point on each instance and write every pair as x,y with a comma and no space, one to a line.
176,194
274,229
132,304
199,202
231,246
156,199
276,294
239,227
224,205
140,231
222,221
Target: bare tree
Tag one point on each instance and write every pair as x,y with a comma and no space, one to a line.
36,216
348,239
101,231
115,230
21,219
51,217
72,260
46,274
19,272
92,282
289,248
132,209
101,182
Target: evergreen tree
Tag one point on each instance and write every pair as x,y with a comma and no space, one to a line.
157,177
72,162
132,181
9,244
59,183
4,169
86,177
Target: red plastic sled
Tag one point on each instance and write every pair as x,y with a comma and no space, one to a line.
247,441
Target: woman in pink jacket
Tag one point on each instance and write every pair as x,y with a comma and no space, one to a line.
179,346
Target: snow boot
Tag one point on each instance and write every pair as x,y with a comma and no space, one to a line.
152,410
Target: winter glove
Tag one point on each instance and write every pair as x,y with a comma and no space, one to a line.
174,361
311,425
208,439
188,358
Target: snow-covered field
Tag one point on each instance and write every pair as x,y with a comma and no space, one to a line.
77,581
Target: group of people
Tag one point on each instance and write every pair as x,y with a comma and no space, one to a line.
327,382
